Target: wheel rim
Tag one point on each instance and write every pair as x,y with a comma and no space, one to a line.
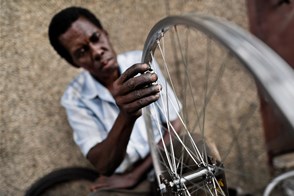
282,184
216,87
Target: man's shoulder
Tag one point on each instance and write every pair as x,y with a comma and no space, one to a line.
74,89
129,58
131,54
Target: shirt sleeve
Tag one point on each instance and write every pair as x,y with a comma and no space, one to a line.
84,124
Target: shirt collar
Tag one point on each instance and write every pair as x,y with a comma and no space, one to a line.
92,88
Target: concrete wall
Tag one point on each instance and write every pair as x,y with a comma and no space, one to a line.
35,136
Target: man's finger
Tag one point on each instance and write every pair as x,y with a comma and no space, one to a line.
133,71
138,82
140,103
140,93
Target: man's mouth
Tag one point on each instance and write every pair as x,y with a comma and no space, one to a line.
105,62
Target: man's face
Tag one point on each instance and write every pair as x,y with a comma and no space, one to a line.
90,48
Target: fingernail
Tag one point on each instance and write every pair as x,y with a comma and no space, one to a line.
154,76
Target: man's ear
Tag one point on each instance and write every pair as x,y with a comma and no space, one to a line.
73,64
76,66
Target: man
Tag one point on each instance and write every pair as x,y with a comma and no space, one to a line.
104,102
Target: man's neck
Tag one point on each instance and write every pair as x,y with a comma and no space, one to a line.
108,81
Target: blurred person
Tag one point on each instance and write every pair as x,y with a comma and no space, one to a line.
104,102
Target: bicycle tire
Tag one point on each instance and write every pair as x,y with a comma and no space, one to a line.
278,180
60,176
271,73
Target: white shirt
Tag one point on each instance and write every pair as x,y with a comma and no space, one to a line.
91,112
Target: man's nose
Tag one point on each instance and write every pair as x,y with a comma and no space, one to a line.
97,51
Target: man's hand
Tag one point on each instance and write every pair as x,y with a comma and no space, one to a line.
114,182
135,89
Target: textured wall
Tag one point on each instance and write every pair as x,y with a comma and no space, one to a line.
35,137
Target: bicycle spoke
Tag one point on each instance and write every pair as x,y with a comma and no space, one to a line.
239,131
187,81
173,87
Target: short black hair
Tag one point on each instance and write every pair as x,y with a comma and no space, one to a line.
62,21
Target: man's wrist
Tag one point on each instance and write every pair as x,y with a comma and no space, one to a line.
130,118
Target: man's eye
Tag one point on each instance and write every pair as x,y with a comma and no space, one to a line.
95,37
81,52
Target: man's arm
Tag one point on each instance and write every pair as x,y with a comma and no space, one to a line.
131,93
133,177
108,154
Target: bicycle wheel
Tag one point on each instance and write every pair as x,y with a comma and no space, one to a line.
64,181
283,184
217,71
